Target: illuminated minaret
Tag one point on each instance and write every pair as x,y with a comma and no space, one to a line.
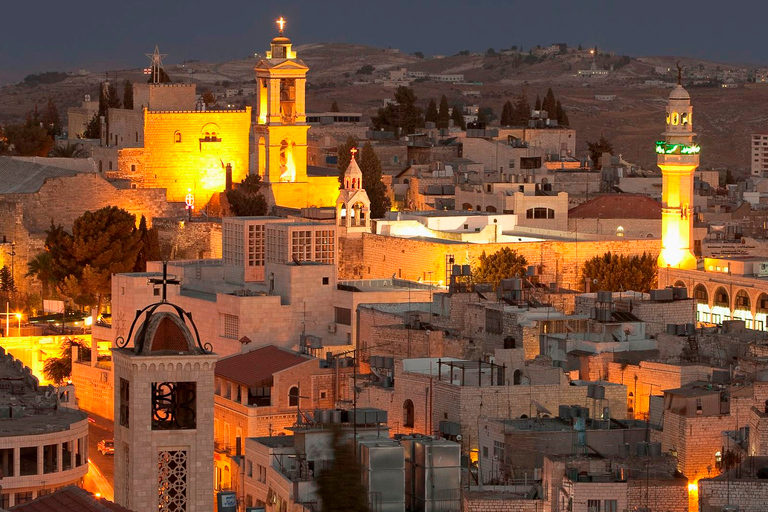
678,158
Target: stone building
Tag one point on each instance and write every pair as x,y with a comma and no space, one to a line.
43,436
163,410
34,194
263,392
740,489
631,215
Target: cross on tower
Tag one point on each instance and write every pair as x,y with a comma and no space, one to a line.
281,24
353,151
165,281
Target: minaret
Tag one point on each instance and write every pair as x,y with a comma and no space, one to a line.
281,127
678,158
353,208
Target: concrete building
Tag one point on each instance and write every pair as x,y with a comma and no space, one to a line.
43,436
759,161
79,117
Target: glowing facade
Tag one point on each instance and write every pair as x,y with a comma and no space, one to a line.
281,131
678,158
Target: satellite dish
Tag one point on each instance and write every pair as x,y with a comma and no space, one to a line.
458,437
628,329
594,281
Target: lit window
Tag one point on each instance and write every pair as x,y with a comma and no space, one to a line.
620,231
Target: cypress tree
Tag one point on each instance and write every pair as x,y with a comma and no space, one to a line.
431,115
458,117
370,165
444,113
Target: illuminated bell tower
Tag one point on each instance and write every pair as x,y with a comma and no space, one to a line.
678,158
281,128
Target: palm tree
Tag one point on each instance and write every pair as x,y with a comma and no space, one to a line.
69,151
59,369
41,268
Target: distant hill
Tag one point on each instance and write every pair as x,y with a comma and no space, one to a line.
724,117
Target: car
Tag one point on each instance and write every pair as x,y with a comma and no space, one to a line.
107,446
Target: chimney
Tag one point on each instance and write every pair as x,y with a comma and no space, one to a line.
228,185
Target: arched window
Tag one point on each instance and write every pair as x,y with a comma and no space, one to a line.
101,166
478,208
721,298
700,294
177,137
491,209
631,402
762,303
408,414
517,378
742,300
293,397
466,207
509,342
110,165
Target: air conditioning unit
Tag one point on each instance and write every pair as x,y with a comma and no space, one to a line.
332,327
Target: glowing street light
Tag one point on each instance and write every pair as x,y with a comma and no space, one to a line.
18,319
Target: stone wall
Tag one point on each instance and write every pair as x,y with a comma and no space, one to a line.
190,240
749,495
498,502
666,495
560,261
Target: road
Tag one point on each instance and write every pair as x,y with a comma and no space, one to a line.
101,475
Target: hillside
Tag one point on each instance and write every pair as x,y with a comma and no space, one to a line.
725,117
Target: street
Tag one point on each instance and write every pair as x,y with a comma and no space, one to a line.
100,478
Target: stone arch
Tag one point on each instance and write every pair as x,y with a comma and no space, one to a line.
293,396
761,304
679,284
286,160
517,378
721,298
478,208
358,214
210,132
261,156
700,294
466,207
490,209
742,301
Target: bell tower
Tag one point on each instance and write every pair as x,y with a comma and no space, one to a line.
678,158
281,128
163,411
353,208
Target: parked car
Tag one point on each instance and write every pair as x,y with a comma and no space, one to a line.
107,446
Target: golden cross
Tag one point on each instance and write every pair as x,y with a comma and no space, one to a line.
353,151
281,24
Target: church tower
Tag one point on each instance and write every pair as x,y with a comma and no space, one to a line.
353,208
163,412
678,158
281,128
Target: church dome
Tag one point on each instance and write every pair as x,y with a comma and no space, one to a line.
281,40
679,93
163,333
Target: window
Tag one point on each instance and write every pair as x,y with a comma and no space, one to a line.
343,316
177,137
174,405
125,396
250,468
293,397
509,342
498,451
540,213
511,164
408,414
326,280
6,462
172,480
110,165
485,452
325,246
231,326
262,473
23,497
593,505
698,405
517,378
133,167
50,458
301,245
5,501
256,245
611,506
28,461
323,395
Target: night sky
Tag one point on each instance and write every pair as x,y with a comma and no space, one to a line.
43,35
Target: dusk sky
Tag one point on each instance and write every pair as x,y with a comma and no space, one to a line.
43,35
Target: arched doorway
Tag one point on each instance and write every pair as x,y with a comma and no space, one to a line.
287,163
517,378
408,414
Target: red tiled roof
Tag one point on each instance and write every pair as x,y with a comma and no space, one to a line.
618,206
257,366
70,499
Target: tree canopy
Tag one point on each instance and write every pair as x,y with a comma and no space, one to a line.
502,264
431,115
615,272
370,165
102,243
596,150
339,486
458,117
402,116
246,199
59,369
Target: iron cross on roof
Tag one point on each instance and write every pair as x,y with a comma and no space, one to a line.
165,281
